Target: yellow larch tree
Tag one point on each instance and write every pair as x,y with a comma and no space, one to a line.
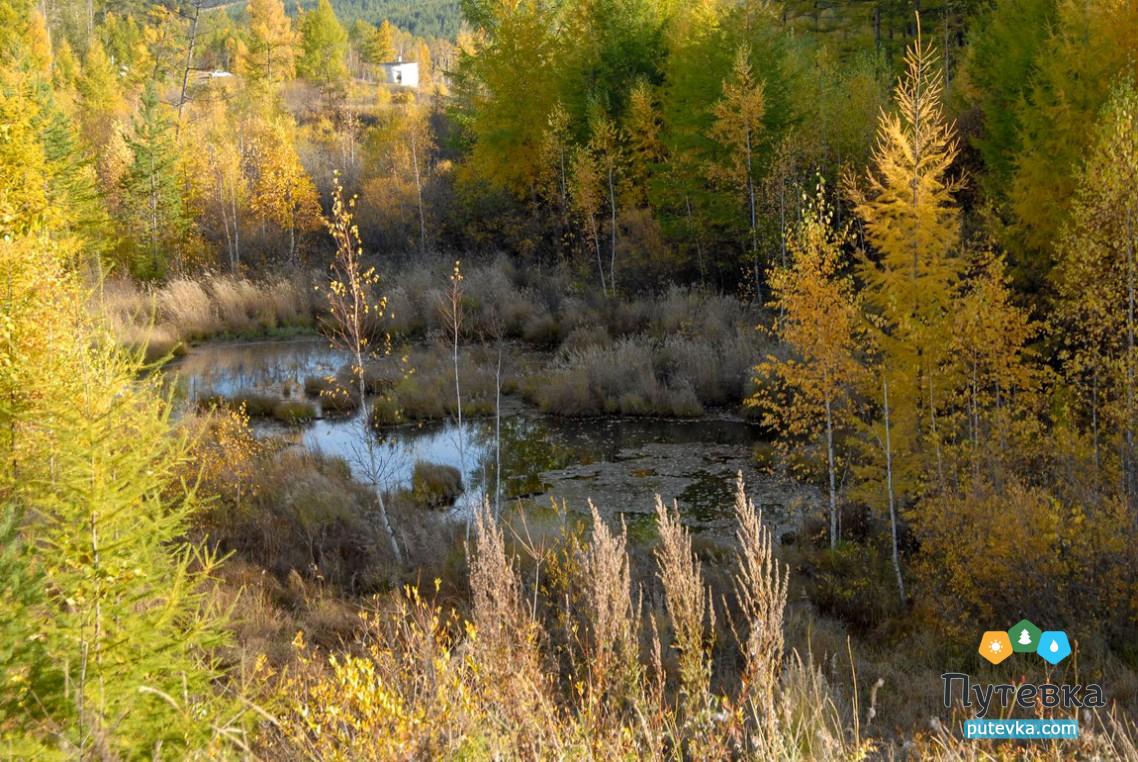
270,53
738,127
606,144
585,198
912,226
556,153
645,147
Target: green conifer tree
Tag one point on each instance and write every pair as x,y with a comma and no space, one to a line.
154,212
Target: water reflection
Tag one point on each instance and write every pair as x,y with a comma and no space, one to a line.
232,367
619,463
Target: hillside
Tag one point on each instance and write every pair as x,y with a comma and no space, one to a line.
425,18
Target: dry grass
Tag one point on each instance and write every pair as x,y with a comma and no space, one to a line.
760,595
425,681
639,375
156,319
612,633
691,613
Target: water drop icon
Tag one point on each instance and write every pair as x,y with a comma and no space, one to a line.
1054,646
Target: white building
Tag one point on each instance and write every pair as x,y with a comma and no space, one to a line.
401,73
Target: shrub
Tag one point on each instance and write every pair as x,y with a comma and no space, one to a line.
294,411
336,396
256,405
544,332
314,386
383,375
585,336
339,401
385,411
404,317
855,583
616,378
302,514
435,485
421,398
565,392
679,402
697,363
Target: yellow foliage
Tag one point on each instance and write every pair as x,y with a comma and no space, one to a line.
1020,548
810,392
282,191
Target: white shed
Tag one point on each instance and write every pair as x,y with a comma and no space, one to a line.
401,73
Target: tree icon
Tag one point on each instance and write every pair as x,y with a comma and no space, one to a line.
1024,636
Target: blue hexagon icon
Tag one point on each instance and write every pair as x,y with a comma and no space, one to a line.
1053,646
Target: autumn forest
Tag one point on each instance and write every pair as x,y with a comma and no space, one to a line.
568,379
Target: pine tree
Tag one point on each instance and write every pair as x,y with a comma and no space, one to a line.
996,382
1000,62
606,143
324,47
72,181
645,145
422,56
585,194
1089,48
39,45
119,665
90,458
26,674
154,211
556,155
508,114
381,46
101,101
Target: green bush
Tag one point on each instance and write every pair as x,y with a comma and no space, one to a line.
434,485
339,403
385,412
294,411
856,584
256,405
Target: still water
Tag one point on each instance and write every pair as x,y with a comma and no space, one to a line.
618,463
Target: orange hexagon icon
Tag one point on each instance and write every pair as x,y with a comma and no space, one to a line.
995,646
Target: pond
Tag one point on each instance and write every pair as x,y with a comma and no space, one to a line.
620,463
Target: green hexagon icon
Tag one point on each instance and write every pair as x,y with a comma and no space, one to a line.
1024,637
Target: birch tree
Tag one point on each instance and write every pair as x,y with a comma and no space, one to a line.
810,393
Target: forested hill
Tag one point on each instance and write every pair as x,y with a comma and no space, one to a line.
422,18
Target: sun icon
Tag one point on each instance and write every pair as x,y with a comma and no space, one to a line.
995,646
